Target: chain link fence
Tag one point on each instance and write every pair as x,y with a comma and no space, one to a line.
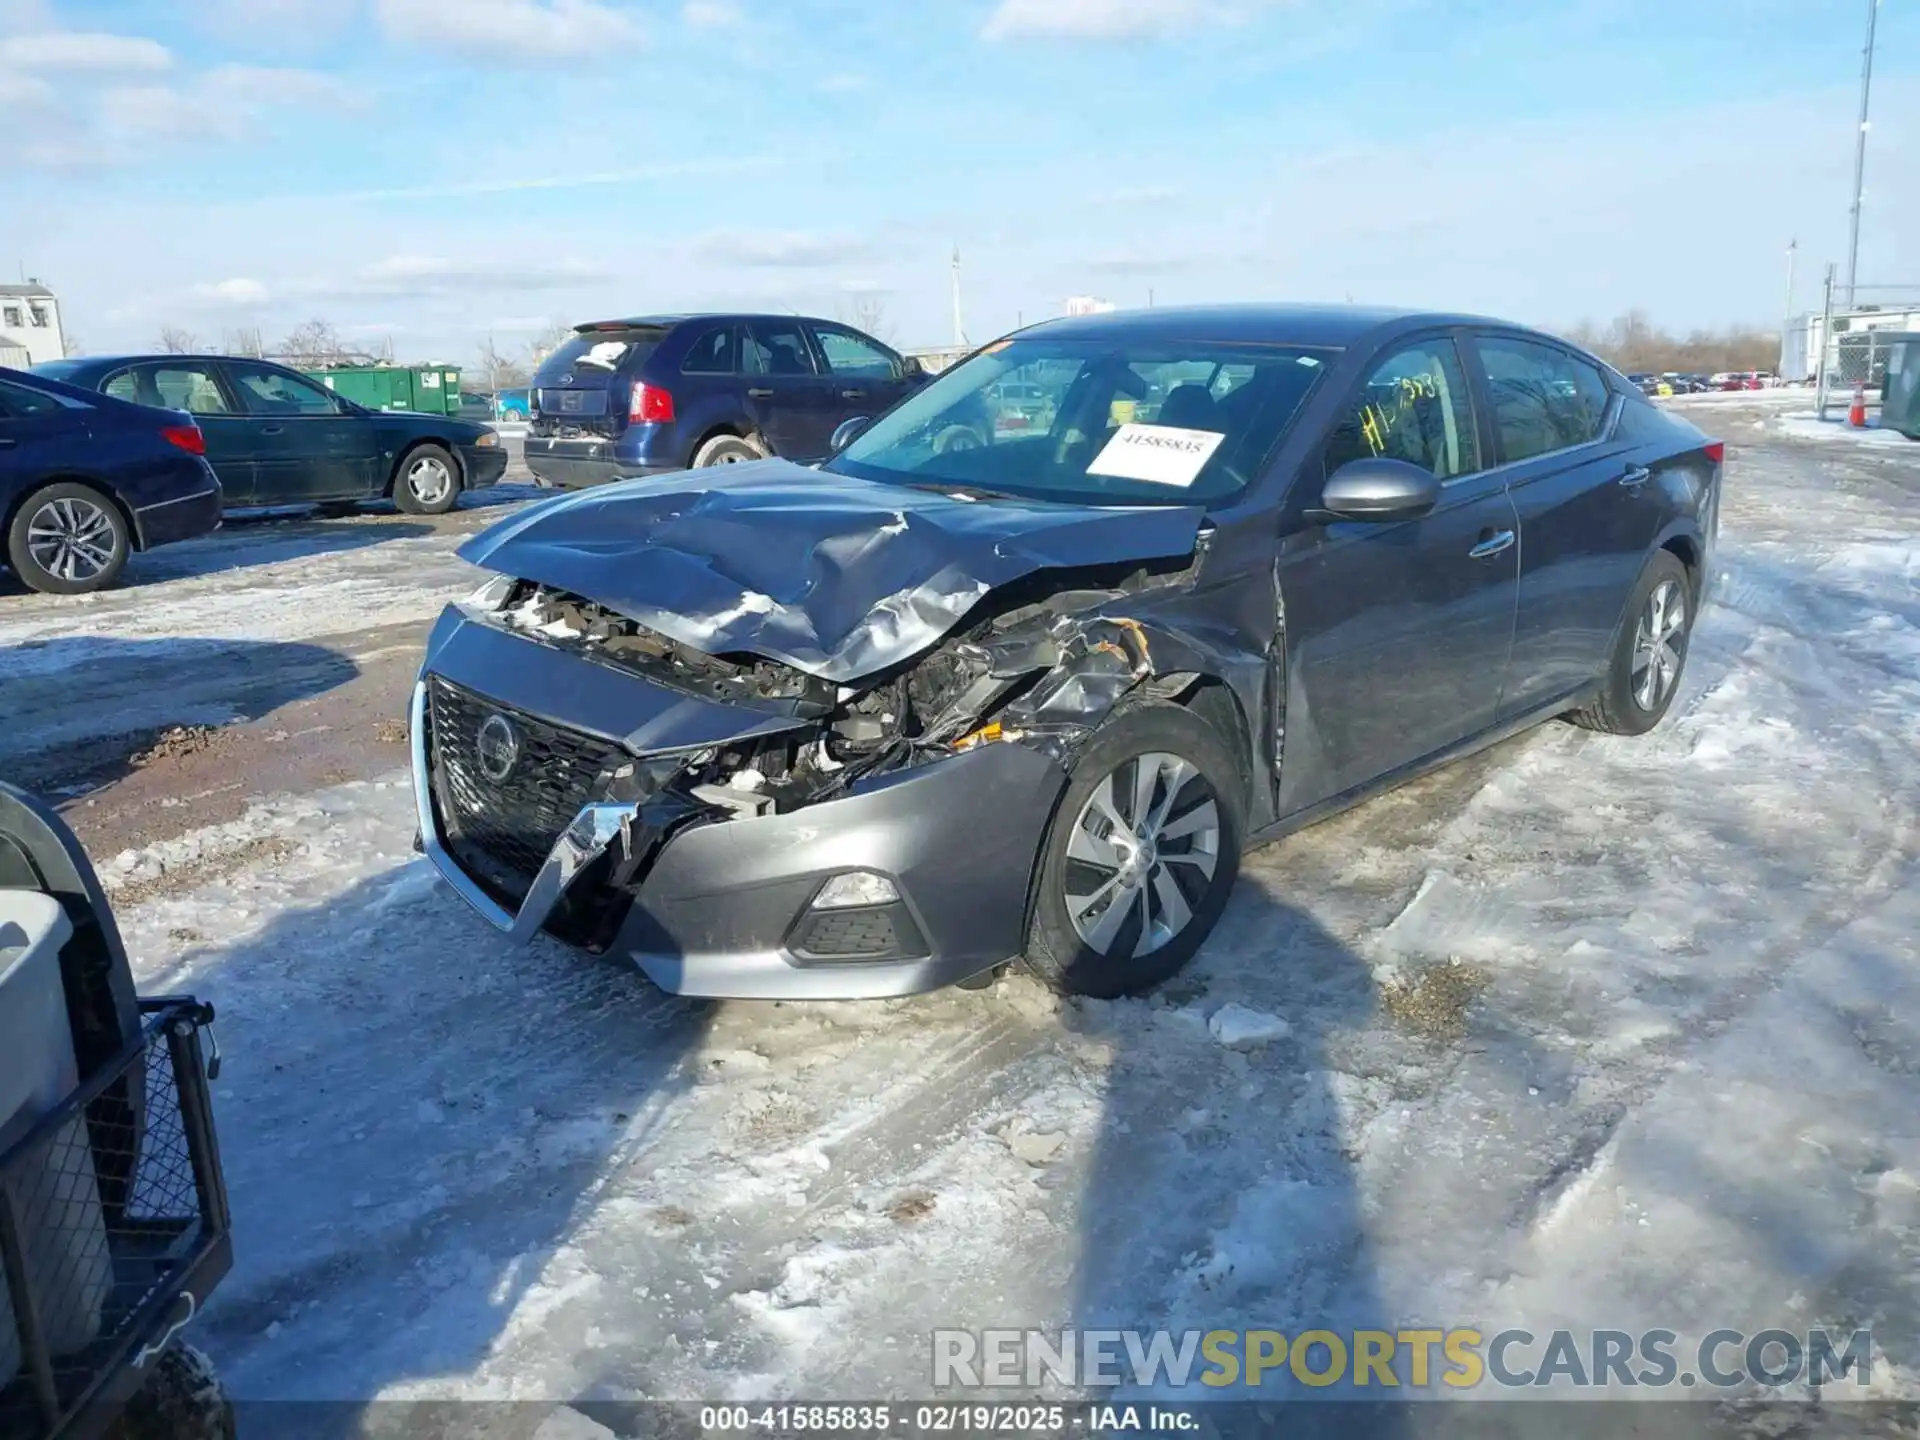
1846,346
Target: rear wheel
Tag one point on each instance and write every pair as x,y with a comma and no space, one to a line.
68,539
1141,856
1649,654
725,450
427,482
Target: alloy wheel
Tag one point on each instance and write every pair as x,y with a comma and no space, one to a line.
71,539
429,480
1656,645
1141,855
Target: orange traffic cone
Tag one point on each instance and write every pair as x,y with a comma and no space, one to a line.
1857,412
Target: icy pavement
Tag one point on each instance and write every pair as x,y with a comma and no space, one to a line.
1593,1031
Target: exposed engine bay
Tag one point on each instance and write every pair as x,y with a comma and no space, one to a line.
1038,662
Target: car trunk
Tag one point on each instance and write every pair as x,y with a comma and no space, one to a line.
581,391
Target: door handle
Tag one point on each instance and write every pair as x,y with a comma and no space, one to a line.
272,429
753,394
1636,477
853,394
1492,542
6,444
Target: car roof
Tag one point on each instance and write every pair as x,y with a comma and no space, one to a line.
1328,326
80,364
667,322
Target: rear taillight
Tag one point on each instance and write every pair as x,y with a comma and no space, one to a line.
187,437
650,405
1716,451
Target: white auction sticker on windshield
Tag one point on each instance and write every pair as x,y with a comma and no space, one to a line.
1158,454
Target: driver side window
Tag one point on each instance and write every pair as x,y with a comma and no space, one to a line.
1413,407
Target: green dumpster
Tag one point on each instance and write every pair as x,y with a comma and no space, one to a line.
1900,400
432,389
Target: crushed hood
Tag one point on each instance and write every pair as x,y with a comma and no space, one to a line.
835,576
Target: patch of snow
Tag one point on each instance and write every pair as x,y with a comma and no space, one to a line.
1239,1027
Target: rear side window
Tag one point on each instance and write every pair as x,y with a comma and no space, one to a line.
778,347
1543,398
599,352
715,353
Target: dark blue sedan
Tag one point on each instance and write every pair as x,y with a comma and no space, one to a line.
86,479
275,437
1022,667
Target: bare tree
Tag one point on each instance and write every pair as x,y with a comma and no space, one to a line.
547,341
867,312
176,341
500,370
244,342
314,343
70,346
1633,343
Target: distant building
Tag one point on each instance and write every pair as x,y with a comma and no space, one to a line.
1088,305
30,322
1803,340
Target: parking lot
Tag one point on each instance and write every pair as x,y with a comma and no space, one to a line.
1583,1030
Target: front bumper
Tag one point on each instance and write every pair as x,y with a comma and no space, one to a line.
484,464
722,908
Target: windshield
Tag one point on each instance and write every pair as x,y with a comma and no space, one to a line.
1110,421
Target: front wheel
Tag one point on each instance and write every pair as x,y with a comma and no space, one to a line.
1141,856
428,481
1649,653
68,539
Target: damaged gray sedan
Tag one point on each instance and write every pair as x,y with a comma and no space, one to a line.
1009,680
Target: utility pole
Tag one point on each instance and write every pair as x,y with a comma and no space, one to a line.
1149,297
1824,380
1786,322
1860,154
959,328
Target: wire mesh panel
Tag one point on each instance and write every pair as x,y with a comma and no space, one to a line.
107,1208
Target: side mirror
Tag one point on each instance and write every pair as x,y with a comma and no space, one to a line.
1379,489
912,369
846,431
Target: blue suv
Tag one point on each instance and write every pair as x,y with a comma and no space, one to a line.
623,398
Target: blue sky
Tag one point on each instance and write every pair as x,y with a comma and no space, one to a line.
441,170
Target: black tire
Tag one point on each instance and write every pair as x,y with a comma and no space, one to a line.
725,450
1057,951
95,552
1620,707
426,481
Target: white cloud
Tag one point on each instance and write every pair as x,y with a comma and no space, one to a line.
415,276
843,84
84,51
24,92
1108,19
513,30
713,14
779,249
226,102
238,292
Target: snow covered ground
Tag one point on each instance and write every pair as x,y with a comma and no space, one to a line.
1584,1031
